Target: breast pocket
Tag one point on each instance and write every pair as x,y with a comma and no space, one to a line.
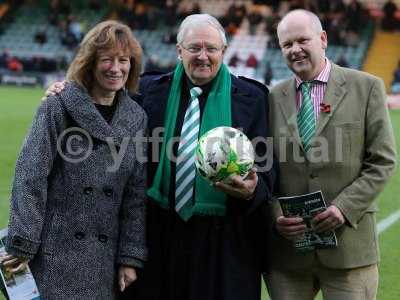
349,144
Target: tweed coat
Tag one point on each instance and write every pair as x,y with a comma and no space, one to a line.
353,155
78,220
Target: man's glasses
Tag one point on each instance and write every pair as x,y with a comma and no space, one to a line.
197,50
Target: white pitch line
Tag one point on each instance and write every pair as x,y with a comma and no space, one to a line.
389,221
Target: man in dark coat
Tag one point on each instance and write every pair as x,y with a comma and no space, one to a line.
209,256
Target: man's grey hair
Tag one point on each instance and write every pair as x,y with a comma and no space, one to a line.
314,20
197,20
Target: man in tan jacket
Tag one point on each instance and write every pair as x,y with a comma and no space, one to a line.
331,133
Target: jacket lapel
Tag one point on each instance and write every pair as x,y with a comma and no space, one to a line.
80,107
288,107
333,96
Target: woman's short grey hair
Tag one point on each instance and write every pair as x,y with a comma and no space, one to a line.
196,20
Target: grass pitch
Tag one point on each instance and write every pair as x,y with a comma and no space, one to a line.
18,106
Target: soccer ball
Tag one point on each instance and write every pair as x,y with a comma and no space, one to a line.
223,152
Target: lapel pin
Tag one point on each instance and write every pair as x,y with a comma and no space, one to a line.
325,108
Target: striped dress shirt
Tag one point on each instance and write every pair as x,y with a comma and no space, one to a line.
317,90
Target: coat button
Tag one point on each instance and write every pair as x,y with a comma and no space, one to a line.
88,190
103,238
108,192
79,235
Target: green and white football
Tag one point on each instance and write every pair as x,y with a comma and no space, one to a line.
223,152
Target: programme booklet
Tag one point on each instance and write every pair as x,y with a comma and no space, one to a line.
19,286
307,206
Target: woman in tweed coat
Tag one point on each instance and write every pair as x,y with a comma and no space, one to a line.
77,204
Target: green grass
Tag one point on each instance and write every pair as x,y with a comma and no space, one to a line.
389,268
18,105
388,199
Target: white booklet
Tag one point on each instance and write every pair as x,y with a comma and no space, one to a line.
19,286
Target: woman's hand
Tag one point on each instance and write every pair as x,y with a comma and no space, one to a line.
126,276
13,264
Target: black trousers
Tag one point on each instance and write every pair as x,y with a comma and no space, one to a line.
207,258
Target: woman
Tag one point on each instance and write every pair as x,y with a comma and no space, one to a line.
77,205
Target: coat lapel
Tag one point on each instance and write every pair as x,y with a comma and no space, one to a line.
80,107
333,96
288,107
122,121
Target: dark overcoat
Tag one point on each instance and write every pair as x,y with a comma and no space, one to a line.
78,218
208,257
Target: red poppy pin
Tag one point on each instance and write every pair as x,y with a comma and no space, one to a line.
325,108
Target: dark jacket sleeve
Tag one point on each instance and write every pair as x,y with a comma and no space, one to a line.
29,192
132,245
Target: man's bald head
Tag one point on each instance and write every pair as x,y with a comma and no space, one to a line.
301,15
